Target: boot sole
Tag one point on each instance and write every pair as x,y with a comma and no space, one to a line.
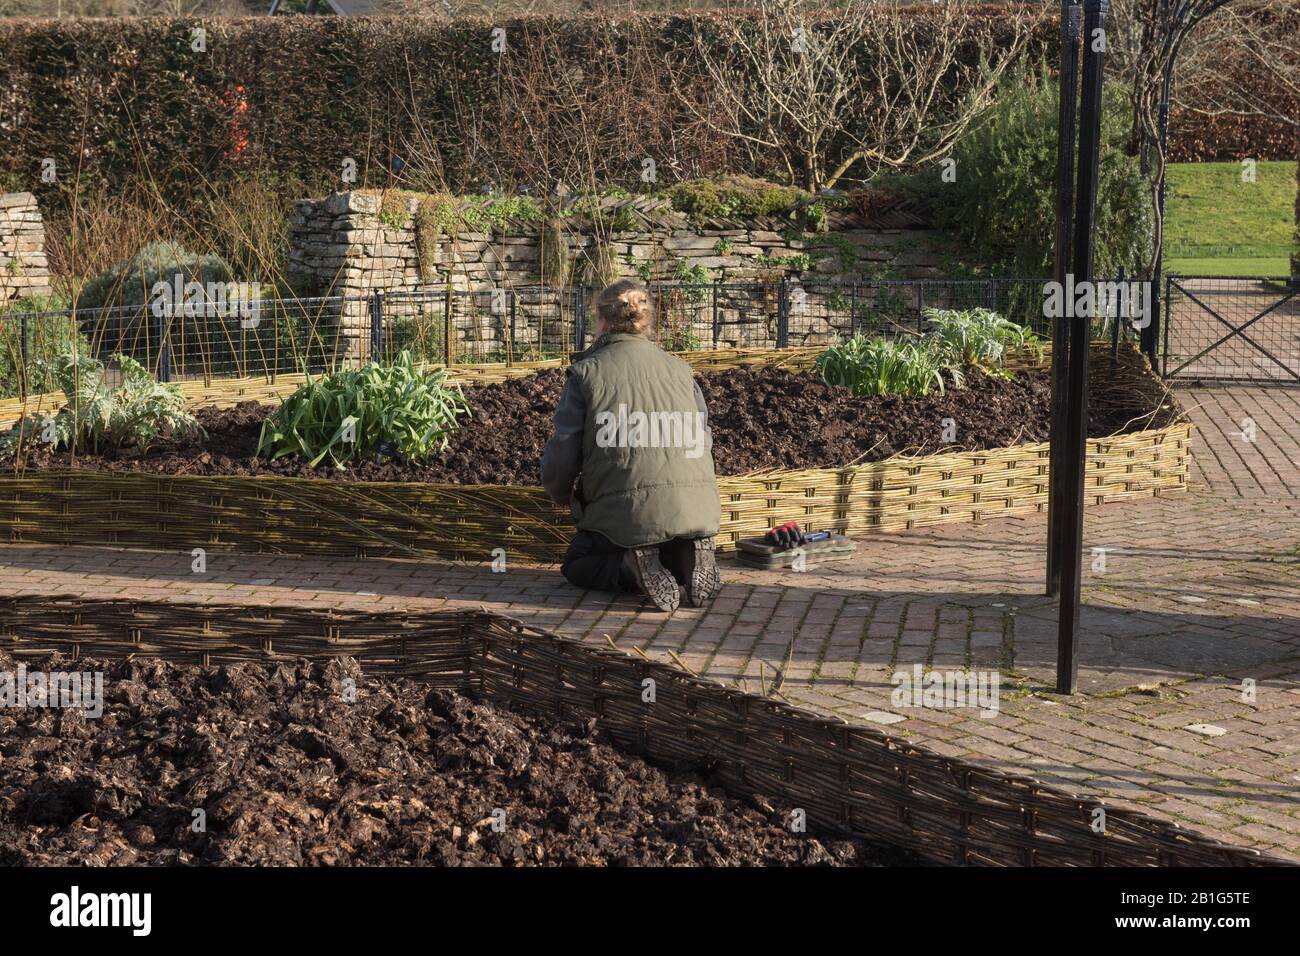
705,579
654,580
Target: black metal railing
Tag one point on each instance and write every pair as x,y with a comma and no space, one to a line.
269,337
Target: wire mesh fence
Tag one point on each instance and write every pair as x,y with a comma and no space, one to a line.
261,337
268,337
490,325
1230,329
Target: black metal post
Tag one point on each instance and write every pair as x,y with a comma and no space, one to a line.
1121,315
717,318
1076,414
1068,97
448,324
579,322
783,317
853,310
510,343
376,327
1164,350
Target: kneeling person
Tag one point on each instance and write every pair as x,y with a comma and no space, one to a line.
632,457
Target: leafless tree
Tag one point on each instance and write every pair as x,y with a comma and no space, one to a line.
1245,61
1158,33
863,84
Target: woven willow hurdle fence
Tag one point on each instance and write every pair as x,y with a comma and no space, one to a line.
849,779
468,522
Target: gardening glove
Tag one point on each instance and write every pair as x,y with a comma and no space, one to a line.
786,536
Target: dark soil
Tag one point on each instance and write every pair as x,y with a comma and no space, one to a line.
288,772
761,417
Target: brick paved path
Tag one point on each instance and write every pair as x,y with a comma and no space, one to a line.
1225,460
1196,596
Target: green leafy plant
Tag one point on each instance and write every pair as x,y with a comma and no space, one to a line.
643,269
444,214
694,278
733,197
799,262
815,217
693,274
885,367
215,340
134,415
889,303
423,334
974,336
355,414
129,283
624,220
681,337
48,336
1002,203
480,213
843,250
394,211
437,219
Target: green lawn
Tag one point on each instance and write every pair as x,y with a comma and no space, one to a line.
1229,266
1219,225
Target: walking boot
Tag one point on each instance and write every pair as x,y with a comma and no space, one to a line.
653,578
693,564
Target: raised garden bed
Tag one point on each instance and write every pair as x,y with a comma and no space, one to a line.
854,781
786,446
289,773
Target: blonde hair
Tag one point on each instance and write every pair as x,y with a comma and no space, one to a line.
625,307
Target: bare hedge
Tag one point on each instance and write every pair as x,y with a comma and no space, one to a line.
131,100
126,98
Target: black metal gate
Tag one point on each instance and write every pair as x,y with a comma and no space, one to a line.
1230,329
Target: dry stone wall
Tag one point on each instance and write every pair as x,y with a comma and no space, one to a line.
23,269
354,243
